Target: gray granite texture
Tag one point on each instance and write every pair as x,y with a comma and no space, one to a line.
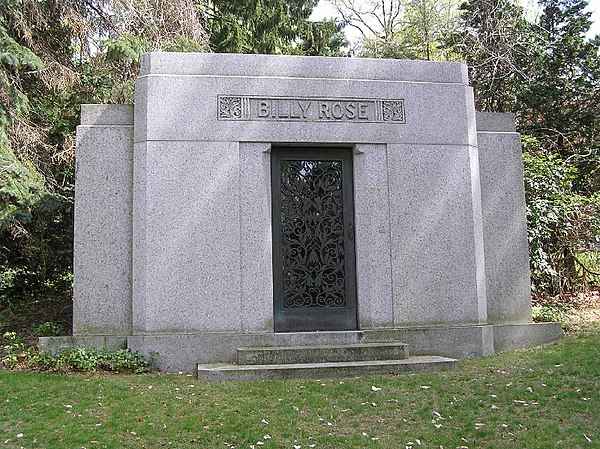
173,233
181,352
256,295
373,234
191,252
106,114
237,65
209,269
515,336
101,342
496,122
434,246
171,105
505,226
103,205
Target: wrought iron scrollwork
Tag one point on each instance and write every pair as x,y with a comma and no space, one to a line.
312,233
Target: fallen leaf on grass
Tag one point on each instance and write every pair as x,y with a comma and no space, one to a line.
479,425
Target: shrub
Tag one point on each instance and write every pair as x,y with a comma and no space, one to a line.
16,354
547,314
47,329
562,223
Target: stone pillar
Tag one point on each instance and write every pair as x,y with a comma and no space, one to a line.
504,218
102,262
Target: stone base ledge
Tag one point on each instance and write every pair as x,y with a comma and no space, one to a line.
515,336
55,344
182,352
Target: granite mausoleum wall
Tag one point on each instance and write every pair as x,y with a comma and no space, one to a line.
173,213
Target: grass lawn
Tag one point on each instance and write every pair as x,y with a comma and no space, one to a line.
547,397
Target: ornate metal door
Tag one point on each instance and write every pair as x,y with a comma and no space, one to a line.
313,239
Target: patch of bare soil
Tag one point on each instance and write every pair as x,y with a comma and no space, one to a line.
25,316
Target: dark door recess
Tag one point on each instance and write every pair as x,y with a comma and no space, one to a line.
313,239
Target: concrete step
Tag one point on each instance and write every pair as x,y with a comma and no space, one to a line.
225,372
322,353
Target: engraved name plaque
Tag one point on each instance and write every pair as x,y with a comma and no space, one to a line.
366,110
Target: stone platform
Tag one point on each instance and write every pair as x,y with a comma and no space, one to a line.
183,352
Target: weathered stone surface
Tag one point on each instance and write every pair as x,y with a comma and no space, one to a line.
236,65
515,336
324,353
55,344
181,352
174,240
373,234
191,253
335,370
434,245
103,205
505,227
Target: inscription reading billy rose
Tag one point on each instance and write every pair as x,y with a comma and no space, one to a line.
306,110
310,109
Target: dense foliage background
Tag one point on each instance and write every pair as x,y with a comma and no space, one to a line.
57,54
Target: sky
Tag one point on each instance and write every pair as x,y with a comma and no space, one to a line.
325,10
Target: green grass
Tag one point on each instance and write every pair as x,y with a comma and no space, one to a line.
547,397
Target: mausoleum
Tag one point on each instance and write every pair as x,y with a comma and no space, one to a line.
253,201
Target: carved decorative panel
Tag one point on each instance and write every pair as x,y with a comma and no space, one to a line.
311,109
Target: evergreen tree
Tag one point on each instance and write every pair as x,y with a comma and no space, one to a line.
55,55
560,103
548,73
270,27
